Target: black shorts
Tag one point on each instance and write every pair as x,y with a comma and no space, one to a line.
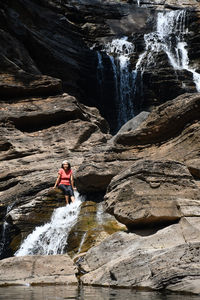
67,189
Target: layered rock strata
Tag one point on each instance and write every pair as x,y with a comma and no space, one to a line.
45,131
169,259
37,270
153,192
46,47
45,50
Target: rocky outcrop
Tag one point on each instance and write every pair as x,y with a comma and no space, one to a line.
50,47
168,259
48,131
149,196
151,192
164,122
37,270
46,42
171,131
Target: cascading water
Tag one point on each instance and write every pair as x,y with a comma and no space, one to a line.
119,51
5,234
51,238
170,38
3,239
100,68
128,92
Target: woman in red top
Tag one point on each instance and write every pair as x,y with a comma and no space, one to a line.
65,181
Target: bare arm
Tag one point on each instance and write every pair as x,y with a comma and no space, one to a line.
72,181
57,181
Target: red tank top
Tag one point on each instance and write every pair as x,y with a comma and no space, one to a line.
65,176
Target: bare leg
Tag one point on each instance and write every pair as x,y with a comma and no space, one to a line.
72,198
67,199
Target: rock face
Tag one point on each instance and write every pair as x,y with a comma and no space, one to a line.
50,70
158,200
46,46
37,270
170,132
45,130
166,121
168,259
151,192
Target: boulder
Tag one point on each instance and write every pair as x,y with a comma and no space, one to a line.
169,259
133,123
165,121
95,176
152,192
194,167
37,270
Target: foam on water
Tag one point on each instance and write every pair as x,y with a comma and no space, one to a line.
51,238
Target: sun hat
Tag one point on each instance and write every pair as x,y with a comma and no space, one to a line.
65,162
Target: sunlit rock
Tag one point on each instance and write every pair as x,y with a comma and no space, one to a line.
151,192
37,270
168,259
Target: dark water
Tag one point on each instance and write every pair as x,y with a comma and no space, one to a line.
86,293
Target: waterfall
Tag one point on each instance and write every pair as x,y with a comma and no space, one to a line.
170,38
5,235
100,68
51,238
138,2
3,240
119,51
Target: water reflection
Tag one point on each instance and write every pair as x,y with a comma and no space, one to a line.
84,293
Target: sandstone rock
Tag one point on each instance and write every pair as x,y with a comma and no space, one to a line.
47,131
37,270
151,192
164,260
63,49
171,131
22,84
37,135
134,123
93,177
165,121
92,227
19,75
194,167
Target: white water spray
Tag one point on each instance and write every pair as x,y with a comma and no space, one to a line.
119,52
51,238
169,37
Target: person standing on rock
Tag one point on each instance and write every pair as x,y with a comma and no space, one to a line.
65,181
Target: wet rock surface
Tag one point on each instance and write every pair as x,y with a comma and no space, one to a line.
92,227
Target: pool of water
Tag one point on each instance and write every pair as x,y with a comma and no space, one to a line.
59,292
